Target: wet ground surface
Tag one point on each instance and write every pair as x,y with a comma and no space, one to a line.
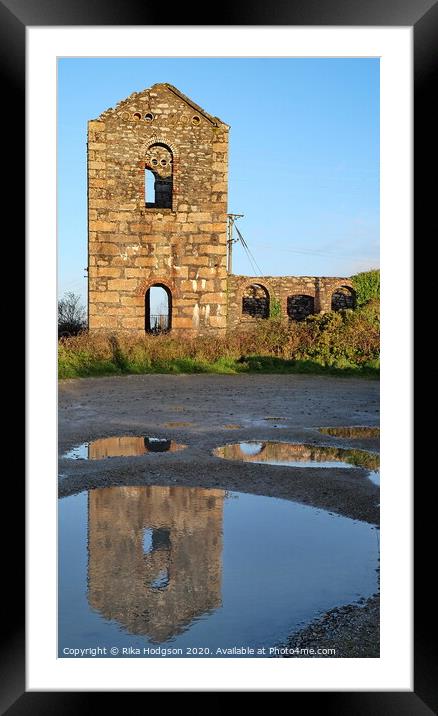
91,409
354,432
200,412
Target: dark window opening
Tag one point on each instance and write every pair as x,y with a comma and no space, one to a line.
158,309
300,306
156,538
342,298
255,302
161,538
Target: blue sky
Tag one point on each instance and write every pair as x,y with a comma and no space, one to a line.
304,154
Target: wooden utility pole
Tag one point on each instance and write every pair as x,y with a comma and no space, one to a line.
230,241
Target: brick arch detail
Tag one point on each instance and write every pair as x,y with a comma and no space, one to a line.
158,139
251,281
146,284
339,286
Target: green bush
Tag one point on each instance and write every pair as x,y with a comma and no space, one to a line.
367,286
274,308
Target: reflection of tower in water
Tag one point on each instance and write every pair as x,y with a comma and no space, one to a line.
155,556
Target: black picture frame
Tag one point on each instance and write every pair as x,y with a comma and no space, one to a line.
15,16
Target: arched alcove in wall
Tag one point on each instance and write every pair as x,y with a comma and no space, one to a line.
255,301
343,297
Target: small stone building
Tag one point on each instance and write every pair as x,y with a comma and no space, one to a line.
157,217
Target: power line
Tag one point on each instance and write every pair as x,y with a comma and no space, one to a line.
316,252
249,254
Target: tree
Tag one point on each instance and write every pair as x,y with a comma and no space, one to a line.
71,315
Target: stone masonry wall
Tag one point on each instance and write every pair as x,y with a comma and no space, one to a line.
280,288
177,238
133,246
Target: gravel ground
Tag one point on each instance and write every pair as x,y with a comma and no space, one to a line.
206,411
350,631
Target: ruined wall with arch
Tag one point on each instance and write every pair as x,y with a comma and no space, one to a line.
295,296
178,237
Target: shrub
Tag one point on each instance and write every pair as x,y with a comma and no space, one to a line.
367,286
344,342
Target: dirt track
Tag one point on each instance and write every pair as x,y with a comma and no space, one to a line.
198,408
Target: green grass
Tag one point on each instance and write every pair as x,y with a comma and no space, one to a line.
83,365
345,343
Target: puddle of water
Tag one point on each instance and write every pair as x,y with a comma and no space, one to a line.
297,455
374,476
177,408
182,567
357,431
124,446
274,422
177,424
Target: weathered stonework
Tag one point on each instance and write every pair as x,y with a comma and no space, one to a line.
177,238
180,244
321,290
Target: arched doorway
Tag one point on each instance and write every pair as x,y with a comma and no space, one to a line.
158,309
343,297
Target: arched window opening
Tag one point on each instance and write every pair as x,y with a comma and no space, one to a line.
300,306
158,177
158,309
343,297
255,301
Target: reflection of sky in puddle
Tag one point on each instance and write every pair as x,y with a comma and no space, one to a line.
374,476
121,446
147,541
186,567
251,448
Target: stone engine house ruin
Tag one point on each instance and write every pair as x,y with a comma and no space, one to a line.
157,217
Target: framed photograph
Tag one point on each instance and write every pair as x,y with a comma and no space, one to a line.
199,487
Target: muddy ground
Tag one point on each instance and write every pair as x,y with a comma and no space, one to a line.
206,411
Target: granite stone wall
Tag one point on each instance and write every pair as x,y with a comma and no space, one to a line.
171,231
288,295
176,238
